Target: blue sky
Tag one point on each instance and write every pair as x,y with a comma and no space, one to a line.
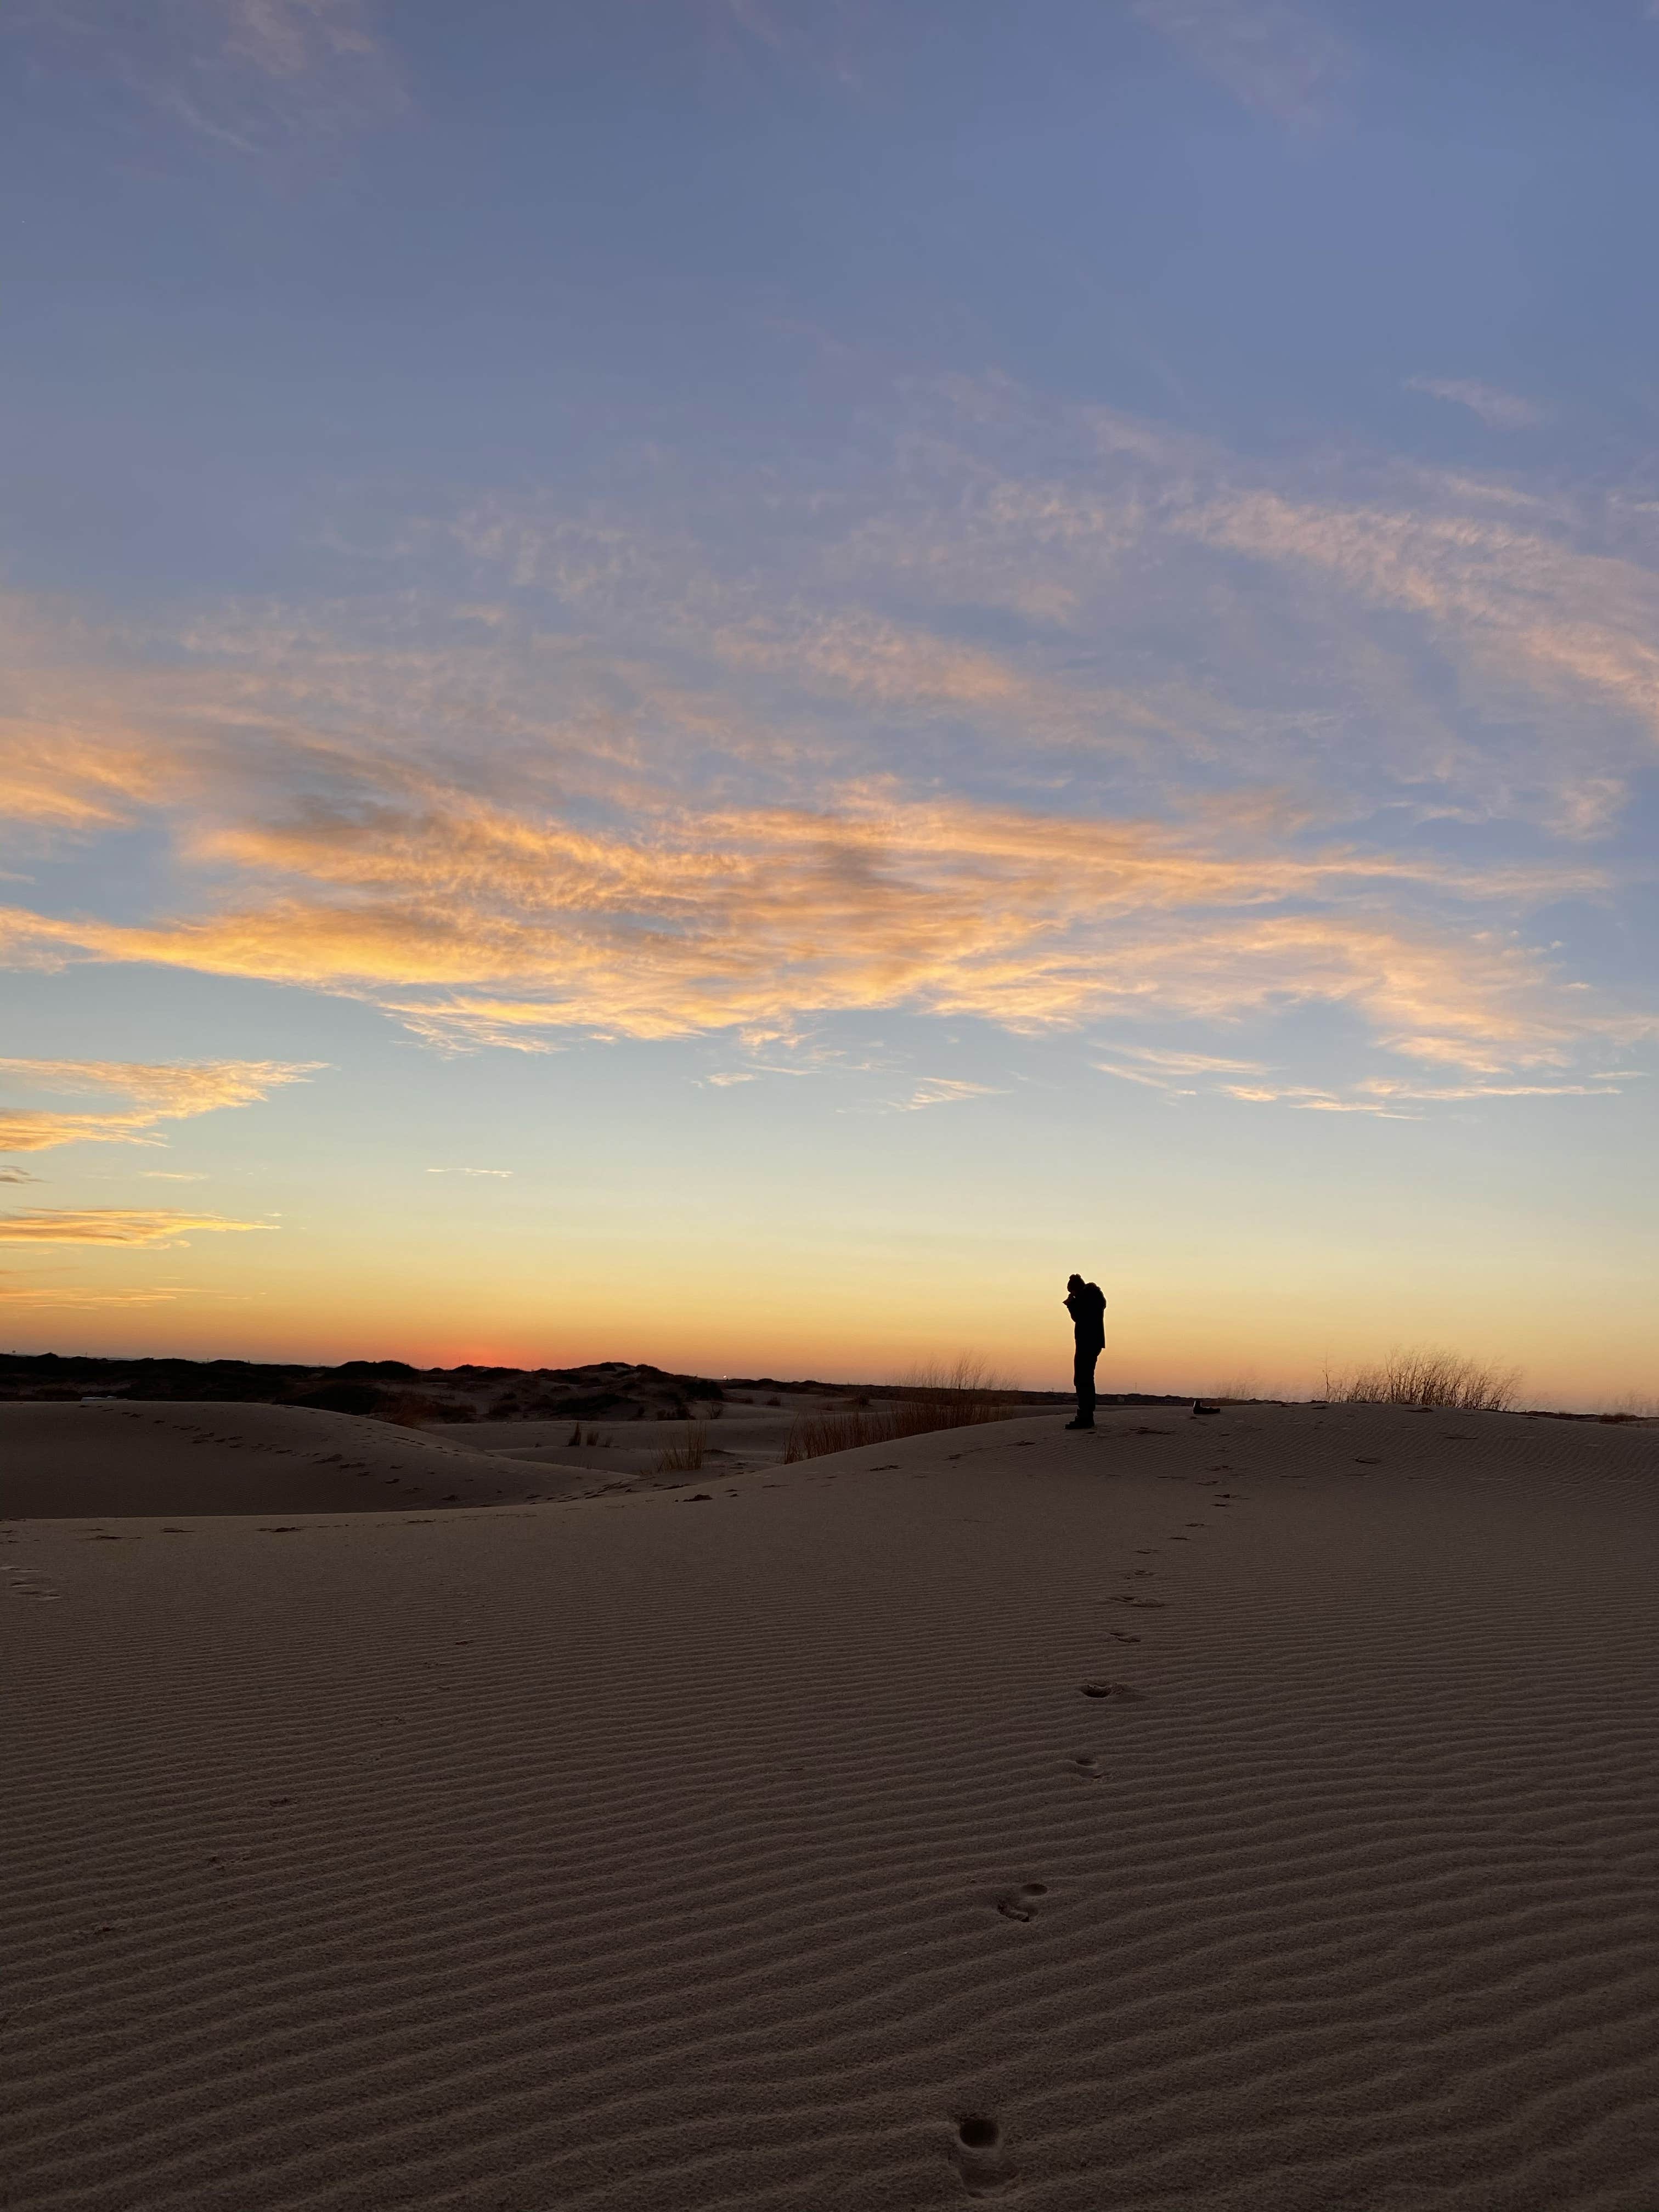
659,651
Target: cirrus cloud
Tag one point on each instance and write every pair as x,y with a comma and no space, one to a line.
159,1229
475,923
153,1091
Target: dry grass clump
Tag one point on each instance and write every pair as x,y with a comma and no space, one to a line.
1427,1378
957,1393
815,1435
1632,1406
687,1457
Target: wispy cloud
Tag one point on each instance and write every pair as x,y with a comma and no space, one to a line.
17,1175
158,1230
155,1091
501,1175
1528,611
1160,1064
1308,1099
729,918
662,792
1498,411
1280,58
944,1090
68,1297
248,77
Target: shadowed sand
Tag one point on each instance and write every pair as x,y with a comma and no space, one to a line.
172,1459
148,1457
1255,1815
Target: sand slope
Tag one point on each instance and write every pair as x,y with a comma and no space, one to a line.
642,1854
173,1459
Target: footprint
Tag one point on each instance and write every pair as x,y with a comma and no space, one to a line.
1086,1763
1120,1693
1021,1904
977,2152
22,1583
1121,1636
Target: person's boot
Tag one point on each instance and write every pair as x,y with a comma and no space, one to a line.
1080,1423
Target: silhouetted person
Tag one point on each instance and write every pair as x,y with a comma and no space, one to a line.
1087,1308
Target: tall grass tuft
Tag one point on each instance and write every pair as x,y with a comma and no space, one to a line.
686,1458
1632,1406
1422,1376
957,1393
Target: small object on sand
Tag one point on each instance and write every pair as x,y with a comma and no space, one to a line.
1199,1406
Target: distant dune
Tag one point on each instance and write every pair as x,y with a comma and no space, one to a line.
1247,1814
162,1457
146,1460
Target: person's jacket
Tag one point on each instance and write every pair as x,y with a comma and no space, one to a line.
1087,1308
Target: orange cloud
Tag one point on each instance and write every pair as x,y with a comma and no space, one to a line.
160,1230
498,829
157,1091
479,924
36,1296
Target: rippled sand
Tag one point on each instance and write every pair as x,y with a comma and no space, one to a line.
1259,1812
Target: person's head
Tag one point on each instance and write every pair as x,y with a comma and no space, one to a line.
1075,1283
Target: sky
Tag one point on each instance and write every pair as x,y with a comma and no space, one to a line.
726,682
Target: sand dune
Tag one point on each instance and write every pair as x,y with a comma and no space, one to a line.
168,1458
738,1438
1257,1814
171,1459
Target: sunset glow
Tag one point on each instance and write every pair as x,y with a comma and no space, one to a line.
728,691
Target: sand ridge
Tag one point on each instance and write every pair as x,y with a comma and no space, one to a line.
109,1458
1232,1815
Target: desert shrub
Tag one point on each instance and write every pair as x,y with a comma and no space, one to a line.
815,1435
958,1394
686,1458
1424,1377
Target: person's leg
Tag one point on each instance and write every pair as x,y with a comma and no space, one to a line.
1083,1377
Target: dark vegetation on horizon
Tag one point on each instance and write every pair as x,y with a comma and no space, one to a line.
393,1390
616,1390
